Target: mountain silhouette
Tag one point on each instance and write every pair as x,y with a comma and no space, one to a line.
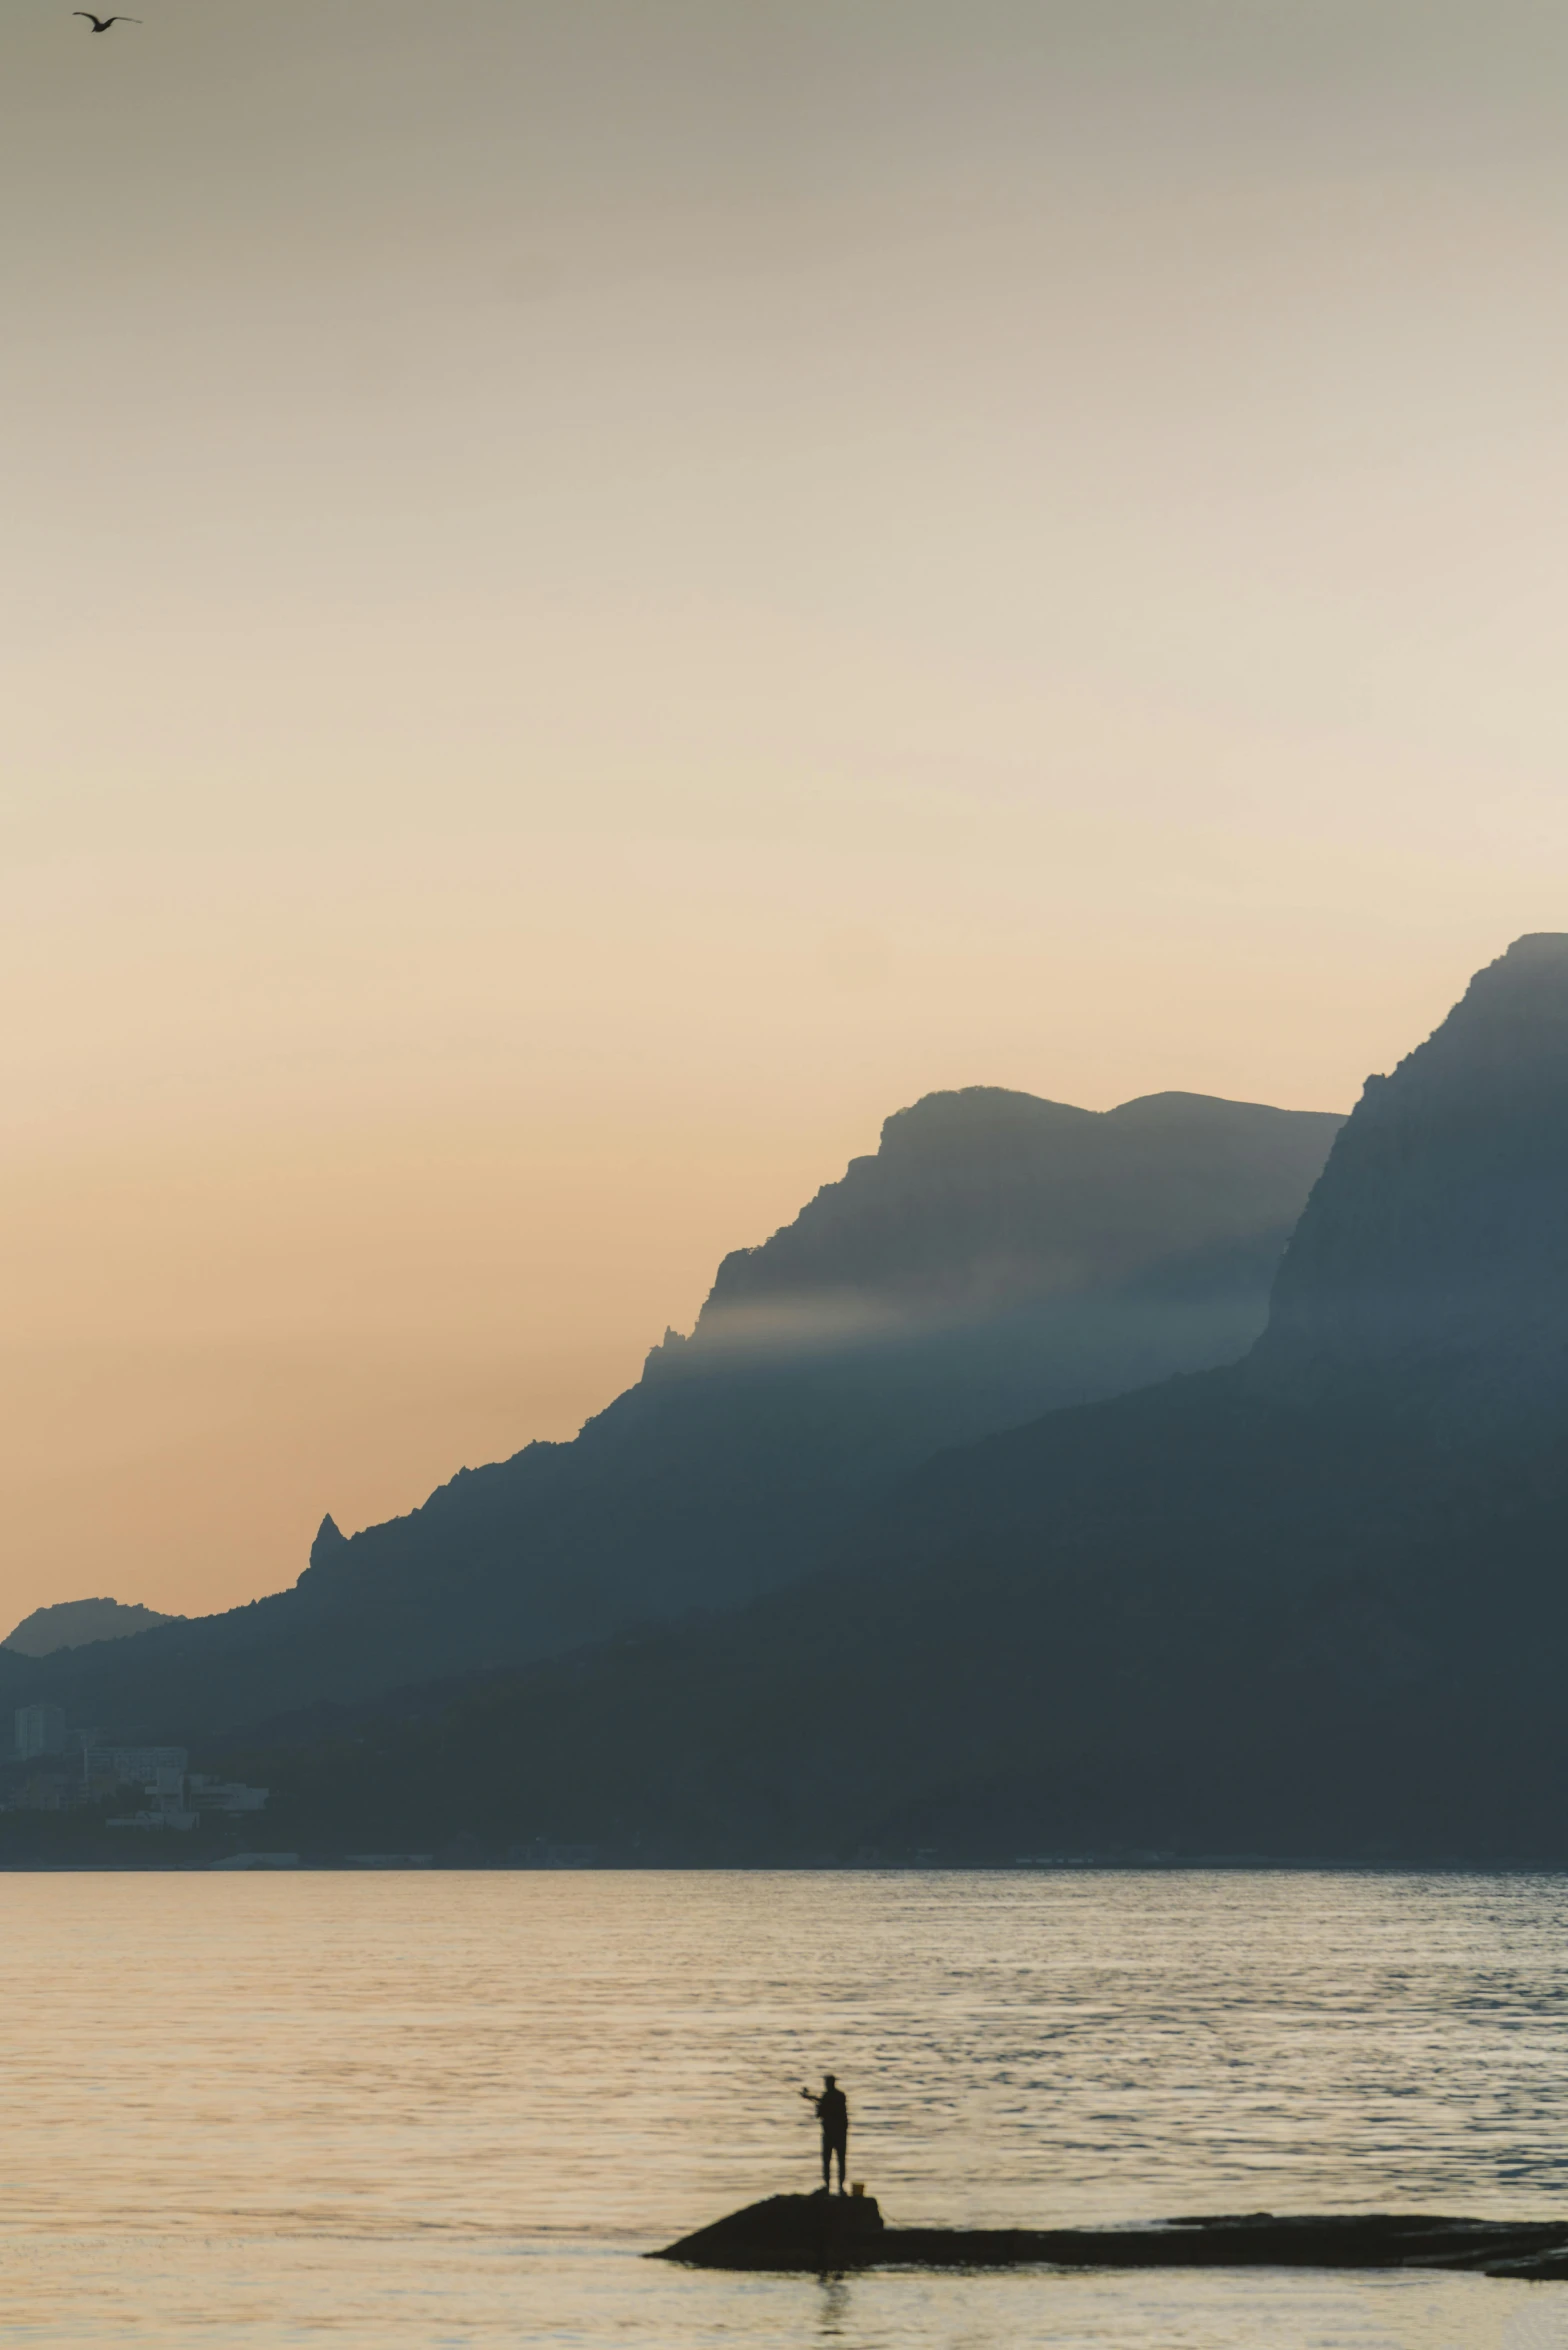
1311,1604
998,1255
73,1623
1437,1249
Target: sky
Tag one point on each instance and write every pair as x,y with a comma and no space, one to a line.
596,594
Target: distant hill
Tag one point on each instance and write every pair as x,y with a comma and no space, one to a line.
72,1623
997,1256
1313,1604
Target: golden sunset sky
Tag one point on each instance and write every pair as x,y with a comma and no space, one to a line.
598,594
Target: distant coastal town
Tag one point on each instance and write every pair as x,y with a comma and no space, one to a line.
51,1769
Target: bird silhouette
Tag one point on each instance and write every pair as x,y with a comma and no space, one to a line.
101,24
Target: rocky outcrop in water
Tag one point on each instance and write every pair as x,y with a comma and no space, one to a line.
820,2233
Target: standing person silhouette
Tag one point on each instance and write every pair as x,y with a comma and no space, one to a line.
832,2110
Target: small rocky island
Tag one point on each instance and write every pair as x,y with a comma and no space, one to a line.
826,2232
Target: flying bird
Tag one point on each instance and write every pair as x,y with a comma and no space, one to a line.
101,24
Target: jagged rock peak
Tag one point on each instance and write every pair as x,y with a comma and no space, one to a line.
1439,1227
330,1539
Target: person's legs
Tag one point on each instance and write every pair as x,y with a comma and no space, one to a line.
827,2160
841,2147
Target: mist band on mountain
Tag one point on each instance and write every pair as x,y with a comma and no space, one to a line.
1309,1606
999,1256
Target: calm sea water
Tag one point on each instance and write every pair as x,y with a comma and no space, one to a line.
452,2109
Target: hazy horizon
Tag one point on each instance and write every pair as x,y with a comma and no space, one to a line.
599,596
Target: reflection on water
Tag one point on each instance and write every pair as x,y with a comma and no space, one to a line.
444,2108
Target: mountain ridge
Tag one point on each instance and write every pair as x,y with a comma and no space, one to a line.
736,1462
1306,1605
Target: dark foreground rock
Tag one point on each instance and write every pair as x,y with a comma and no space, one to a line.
816,2232
789,2231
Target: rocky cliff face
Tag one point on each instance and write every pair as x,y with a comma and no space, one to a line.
1436,1243
984,1201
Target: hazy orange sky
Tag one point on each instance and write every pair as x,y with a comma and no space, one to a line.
597,595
